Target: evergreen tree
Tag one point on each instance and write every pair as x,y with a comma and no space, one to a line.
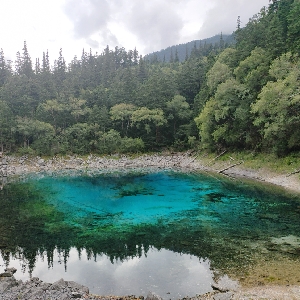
135,57
24,64
4,68
171,56
186,54
60,69
37,66
222,44
293,34
45,63
18,64
176,59
142,73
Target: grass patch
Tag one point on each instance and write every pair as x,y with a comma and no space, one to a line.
256,161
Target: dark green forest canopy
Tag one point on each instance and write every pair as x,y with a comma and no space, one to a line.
220,96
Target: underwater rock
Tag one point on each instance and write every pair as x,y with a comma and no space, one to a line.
287,244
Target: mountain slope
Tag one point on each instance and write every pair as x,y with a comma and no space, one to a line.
185,49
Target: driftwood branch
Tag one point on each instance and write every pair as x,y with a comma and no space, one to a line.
216,157
194,158
295,172
231,166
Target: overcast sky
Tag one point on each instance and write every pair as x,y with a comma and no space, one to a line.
147,25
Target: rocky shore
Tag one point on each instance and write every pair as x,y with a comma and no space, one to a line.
12,166
35,289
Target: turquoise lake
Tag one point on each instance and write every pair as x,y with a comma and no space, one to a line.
167,232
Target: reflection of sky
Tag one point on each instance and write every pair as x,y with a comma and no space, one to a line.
161,272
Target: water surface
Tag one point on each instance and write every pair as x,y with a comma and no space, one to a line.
167,232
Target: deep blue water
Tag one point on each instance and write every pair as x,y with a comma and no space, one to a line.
135,232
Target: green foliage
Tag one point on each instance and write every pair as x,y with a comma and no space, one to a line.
191,77
130,145
293,20
31,130
219,73
206,124
6,125
281,66
229,57
178,110
278,112
110,142
122,112
100,115
147,117
254,70
225,120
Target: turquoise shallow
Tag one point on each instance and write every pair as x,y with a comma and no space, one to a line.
168,232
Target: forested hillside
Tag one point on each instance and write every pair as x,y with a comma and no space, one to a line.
244,96
179,53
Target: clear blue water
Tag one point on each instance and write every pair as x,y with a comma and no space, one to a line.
132,199
135,232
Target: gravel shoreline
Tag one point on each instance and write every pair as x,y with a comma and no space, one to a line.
12,168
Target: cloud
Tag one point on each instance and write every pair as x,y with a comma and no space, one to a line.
222,17
92,43
156,24
90,17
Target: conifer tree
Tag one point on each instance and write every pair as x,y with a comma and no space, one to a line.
176,59
135,57
45,63
60,69
37,66
186,53
26,64
171,56
4,68
18,63
142,74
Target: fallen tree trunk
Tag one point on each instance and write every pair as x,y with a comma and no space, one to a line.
295,172
216,157
193,159
231,166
